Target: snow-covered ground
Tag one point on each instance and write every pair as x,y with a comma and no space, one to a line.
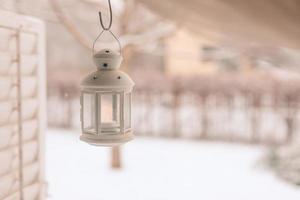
160,169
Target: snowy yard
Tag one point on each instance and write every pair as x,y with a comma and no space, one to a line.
160,169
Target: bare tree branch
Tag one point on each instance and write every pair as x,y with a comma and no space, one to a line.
69,24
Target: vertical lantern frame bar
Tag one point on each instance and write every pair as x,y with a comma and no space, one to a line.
93,116
81,112
122,121
115,107
97,113
129,110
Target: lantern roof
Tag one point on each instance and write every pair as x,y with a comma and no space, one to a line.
105,79
107,59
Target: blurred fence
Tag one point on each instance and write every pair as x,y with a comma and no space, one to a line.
260,110
215,118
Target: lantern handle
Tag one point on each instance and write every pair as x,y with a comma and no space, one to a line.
107,29
119,43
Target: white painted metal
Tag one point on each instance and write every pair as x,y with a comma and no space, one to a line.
107,59
107,80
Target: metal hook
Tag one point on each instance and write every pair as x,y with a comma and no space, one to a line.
107,29
110,18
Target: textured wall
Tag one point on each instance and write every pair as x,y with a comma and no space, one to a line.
22,107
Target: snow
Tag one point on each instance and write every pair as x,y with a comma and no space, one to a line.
160,169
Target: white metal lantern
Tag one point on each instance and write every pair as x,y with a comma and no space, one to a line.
106,102
106,98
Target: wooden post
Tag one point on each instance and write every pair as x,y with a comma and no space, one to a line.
116,157
204,116
255,117
175,108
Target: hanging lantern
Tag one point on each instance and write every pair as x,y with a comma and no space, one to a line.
106,100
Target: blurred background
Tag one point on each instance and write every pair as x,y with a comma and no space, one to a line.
215,105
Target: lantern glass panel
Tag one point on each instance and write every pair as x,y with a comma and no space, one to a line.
110,110
127,110
89,120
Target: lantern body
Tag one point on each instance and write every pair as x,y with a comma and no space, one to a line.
106,103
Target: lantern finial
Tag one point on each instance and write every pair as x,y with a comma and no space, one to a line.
107,59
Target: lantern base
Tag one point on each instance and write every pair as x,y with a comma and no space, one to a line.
108,140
